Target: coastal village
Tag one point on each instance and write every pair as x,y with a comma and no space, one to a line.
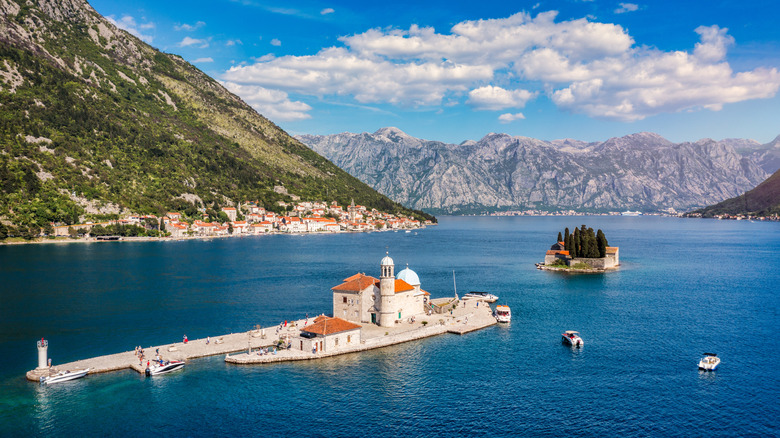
250,218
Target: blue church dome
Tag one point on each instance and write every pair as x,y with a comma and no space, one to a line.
409,276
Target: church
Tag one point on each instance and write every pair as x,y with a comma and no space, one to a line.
385,301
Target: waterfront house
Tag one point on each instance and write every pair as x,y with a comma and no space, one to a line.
230,212
327,334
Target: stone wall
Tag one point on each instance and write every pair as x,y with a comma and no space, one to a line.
595,262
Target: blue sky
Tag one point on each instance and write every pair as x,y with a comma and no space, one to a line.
453,71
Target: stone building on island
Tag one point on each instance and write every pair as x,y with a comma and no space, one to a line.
327,334
557,252
365,299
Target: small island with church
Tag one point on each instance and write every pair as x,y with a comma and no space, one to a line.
583,251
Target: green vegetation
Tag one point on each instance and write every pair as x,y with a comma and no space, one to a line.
585,243
764,200
116,126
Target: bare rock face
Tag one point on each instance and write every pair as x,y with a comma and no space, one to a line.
641,171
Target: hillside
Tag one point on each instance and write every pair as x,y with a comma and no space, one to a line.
499,172
94,122
764,200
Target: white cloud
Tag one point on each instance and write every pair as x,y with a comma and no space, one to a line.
327,11
509,117
203,60
497,98
129,24
273,104
276,42
189,27
626,7
583,66
230,43
200,43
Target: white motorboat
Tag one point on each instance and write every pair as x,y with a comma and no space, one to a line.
631,213
503,313
709,362
572,338
64,376
482,296
157,368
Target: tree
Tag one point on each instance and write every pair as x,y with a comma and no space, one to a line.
162,225
575,247
601,241
560,239
565,234
230,227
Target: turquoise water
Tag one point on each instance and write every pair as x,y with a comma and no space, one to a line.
685,287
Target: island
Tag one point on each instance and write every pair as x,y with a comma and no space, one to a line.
583,251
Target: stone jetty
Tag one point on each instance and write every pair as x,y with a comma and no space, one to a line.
468,316
463,319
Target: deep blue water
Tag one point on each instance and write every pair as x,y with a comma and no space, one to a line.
685,287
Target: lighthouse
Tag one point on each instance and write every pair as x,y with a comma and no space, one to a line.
43,347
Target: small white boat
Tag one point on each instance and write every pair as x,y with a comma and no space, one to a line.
483,296
165,367
572,338
631,213
709,362
64,376
503,313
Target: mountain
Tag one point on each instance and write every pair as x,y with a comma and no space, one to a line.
641,171
94,122
764,200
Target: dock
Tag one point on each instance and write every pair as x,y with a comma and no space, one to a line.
242,348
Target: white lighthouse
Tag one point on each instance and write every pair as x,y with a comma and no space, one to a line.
387,292
43,347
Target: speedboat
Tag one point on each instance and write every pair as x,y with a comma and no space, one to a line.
164,367
572,338
503,313
709,362
64,376
484,296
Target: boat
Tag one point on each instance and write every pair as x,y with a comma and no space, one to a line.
483,296
164,367
64,376
572,338
503,313
631,213
709,362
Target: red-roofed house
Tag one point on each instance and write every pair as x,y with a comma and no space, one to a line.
354,299
328,334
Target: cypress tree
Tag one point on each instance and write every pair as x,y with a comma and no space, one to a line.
602,243
567,243
593,250
575,243
560,239
565,234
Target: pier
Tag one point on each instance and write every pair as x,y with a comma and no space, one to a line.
468,316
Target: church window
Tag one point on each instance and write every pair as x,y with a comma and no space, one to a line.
345,300
337,342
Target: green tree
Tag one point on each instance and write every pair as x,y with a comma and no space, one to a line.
601,240
575,247
230,227
565,234
560,238
162,225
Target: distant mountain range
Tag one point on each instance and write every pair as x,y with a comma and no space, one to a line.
641,171
94,122
764,200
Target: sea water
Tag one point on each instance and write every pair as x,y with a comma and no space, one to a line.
684,287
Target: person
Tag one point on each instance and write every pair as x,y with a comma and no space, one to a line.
49,362
285,323
208,339
157,351
185,339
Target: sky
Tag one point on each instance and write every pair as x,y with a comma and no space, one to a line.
458,70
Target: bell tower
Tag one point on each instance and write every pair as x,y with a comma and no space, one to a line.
387,292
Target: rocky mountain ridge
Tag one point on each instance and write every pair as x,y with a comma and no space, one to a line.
642,171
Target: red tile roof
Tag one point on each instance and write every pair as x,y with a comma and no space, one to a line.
400,286
356,283
612,249
329,326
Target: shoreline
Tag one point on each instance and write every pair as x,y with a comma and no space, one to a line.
543,267
68,240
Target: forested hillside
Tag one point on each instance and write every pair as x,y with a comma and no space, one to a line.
94,122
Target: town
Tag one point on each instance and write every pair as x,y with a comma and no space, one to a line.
248,218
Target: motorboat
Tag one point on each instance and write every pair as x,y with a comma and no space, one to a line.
483,296
709,362
631,213
64,376
572,338
164,367
503,313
